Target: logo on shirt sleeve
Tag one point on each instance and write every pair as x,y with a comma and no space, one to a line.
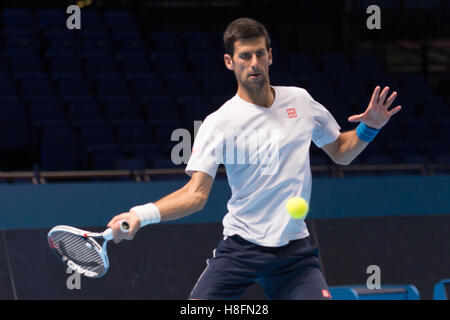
291,112
326,294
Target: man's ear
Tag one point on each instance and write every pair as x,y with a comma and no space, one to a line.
270,57
228,62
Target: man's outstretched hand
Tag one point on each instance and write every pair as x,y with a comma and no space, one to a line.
377,113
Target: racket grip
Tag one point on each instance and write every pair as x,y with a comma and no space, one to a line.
124,226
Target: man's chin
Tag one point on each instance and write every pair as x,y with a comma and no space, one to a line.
255,84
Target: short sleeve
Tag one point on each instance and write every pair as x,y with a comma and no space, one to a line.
207,151
326,129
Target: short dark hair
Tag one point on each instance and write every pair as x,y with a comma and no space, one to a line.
241,29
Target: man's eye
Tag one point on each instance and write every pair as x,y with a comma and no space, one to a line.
245,56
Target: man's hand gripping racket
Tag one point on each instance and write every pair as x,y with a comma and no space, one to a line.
80,250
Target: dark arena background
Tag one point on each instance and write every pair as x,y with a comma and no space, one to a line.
87,115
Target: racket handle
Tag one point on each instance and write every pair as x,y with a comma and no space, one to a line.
124,226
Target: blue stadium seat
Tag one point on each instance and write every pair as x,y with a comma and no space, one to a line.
422,4
351,85
166,41
7,88
168,61
198,41
433,110
279,79
444,133
143,88
100,43
37,92
18,17
137,65
148,152
278,66
121,20
217,83
416,158
82,111
51,18
20,45
95,67
95,135
97,140
366,63
104,157
416,86
334,63
43,113
161,109
299,63
166,163
14,132
418,130
129,136
59,149
88,33
92,19
442,159
319,85
121,110
25,66
206,62
379,159
131,164
62,47
401,149
384,80
130,40
115,89
319,159
72,90
30,87
180,83
217,100
163,132
194,107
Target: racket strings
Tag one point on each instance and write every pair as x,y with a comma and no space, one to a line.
78,249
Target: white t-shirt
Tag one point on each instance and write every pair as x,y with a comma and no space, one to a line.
265,152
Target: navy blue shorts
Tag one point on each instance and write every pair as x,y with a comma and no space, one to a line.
290,272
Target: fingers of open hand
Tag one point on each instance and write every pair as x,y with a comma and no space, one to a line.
394,110
390,100
356,118
383,95
375,94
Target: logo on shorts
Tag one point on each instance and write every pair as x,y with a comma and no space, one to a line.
326,294
291,113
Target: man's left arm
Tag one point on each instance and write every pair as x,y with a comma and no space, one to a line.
350,144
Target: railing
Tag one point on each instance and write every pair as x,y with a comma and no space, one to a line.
43,177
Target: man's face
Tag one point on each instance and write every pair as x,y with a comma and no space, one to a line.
250,63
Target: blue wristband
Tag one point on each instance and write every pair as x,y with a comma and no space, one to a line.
366,133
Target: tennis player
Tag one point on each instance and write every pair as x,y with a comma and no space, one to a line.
262,242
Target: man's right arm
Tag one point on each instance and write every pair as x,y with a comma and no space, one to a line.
189,199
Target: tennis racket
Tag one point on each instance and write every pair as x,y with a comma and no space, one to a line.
79,249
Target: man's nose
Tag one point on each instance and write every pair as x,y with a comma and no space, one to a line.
254,60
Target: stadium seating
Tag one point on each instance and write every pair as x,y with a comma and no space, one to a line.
114,92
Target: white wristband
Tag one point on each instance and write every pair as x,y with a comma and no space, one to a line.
147,213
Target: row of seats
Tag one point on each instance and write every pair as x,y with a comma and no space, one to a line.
110,94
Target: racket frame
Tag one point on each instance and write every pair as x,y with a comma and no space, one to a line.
90,238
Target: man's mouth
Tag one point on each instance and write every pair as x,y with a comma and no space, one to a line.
254,75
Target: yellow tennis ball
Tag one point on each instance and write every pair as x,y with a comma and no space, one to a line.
297,207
